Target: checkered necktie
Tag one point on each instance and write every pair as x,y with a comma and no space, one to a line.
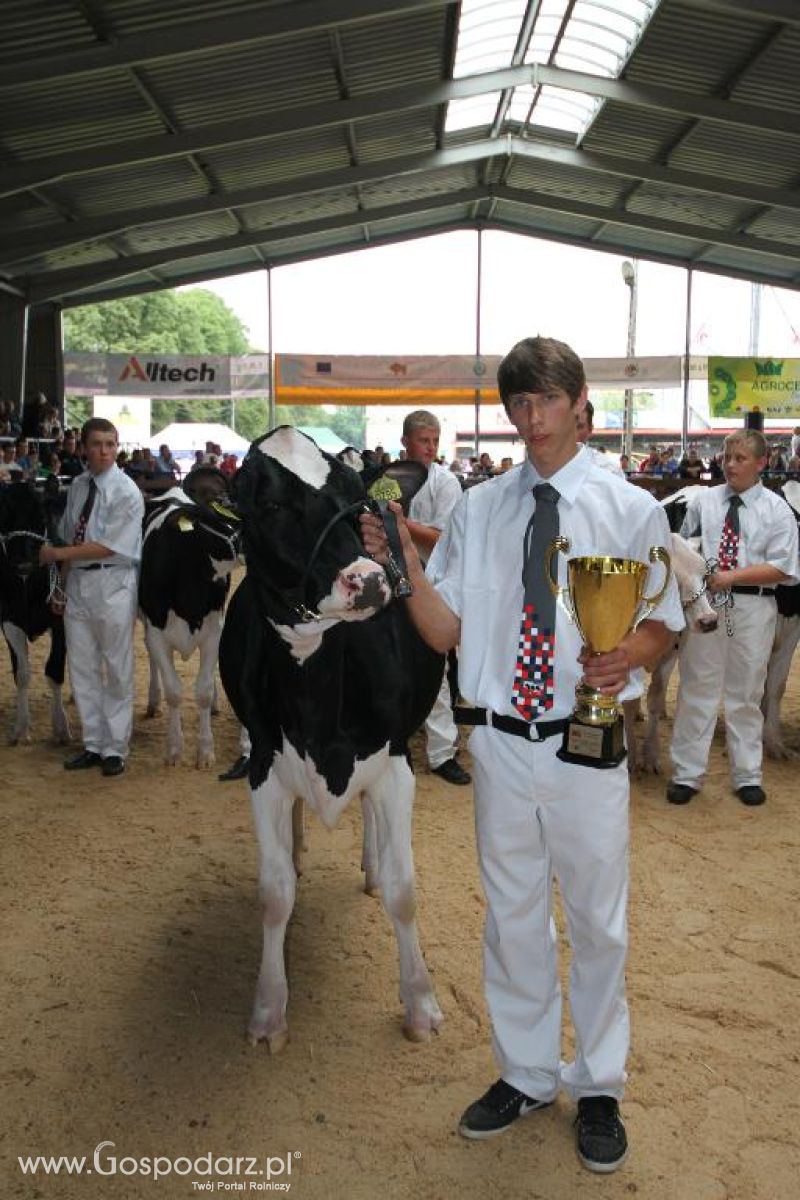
532,693
83,519
729,542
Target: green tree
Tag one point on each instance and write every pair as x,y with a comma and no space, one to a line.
190,322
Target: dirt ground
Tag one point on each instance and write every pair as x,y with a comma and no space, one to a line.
131,940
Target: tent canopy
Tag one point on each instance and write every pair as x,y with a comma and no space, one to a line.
184,437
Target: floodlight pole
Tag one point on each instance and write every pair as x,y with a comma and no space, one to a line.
478,341
271,394
630,276
687,357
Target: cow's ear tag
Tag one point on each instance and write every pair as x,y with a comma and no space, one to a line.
225,512
185,525
385,489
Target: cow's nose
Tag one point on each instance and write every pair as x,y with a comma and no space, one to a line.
708,624
372,594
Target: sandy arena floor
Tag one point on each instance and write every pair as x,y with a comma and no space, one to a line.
131,940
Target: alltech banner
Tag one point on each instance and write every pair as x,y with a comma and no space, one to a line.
767,385
166,376
440,379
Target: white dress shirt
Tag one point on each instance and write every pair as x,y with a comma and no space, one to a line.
767,527
436,499
116,517
477,569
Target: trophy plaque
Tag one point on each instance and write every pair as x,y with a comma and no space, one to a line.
605,599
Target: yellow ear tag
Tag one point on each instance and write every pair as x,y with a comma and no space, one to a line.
185,525
385,489
224,512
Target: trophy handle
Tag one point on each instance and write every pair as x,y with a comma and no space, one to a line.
561,594
650,603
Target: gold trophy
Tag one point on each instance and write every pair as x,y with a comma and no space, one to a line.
603,597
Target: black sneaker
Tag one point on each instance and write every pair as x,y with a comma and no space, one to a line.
680,793
452,772
498,1108
751,794
602,1144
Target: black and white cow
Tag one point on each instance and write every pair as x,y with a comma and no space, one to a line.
188,553
25,613
330,680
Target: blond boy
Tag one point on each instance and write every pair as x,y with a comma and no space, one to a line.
752,534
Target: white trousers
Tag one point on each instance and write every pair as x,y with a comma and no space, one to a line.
537,817
98,622
714,666
440,728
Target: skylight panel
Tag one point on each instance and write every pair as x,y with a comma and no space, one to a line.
593,36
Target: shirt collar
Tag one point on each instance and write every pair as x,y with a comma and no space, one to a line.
746,497
103,480
567,481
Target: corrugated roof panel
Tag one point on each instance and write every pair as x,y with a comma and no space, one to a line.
406,133
90,112
228,260
23,211
634,132
140,16
787,270
73,257
150,238
692,208
644,243
419,184
692,49
772,81
33,28
304,208
402,49
245,81
281,158
140,186
734,152
778,223
590,187
538,222
311,245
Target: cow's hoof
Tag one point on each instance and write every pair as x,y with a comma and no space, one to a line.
276,1042
419,1033
152,710
204,761
172,760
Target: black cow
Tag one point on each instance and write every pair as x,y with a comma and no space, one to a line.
330,680
25,613
188,553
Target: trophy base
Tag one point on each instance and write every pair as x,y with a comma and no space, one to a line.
598,746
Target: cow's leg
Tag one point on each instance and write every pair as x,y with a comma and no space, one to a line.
214,695
160,653
656,711
369,849
392,798
787,633
204,688
272,814
154,684
21,666
54,671
298,834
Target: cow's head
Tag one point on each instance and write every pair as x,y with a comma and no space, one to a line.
690,571
303,550
22,526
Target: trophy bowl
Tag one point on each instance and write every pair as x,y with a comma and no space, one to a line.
605,599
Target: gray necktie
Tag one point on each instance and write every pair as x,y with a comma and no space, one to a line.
86,512
532,693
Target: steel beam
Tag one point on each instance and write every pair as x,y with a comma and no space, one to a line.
160,148
291,19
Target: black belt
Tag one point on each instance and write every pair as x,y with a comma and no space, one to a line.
99,566
747,589
535,731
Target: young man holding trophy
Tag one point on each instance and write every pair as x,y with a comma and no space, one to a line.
551,789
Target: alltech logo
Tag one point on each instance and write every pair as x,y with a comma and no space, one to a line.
156,371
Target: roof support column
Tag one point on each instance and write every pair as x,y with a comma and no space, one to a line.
271,396
13,342
687,352
44,370
478,291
